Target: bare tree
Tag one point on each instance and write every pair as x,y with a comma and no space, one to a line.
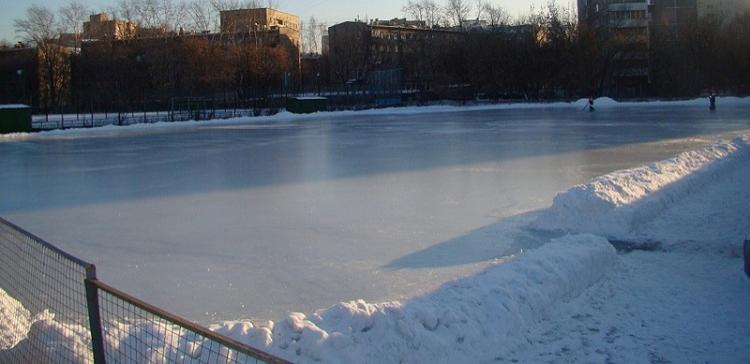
457,11
72,17
415,10
495,15
480,7
432,13
202,16
124,9
39,27
163,14
221,5
311,37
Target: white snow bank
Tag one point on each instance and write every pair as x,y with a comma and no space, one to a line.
473,319
41,337
608,103
13,106
15,321
615,204
284,116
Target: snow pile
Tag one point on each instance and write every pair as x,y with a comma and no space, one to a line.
15,321
614,205
157,342
57,342
40,337
473,319
13,106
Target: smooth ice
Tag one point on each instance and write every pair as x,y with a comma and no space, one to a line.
254,220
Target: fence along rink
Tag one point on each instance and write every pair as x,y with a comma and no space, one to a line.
54,310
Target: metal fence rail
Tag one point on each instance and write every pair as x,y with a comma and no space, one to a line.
54,310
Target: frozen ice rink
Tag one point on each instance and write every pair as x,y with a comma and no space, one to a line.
227,221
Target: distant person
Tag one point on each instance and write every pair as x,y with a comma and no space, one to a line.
591,104
712,102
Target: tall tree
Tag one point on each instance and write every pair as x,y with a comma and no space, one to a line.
202,16
457,11
495,15
415,10
72,17
312,34
40,28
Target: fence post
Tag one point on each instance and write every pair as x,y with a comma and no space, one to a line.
95,322
747,257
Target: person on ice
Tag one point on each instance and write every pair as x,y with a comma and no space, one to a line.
591,103
712,102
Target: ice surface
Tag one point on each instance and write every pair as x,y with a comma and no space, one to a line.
264,217
521,299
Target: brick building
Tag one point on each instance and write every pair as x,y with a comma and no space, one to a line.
261,19
100,27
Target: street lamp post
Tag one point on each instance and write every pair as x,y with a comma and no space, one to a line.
22,84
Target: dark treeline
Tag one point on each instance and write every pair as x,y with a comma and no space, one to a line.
553,56
117,75
563,59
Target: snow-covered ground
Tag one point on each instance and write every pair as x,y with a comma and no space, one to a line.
447,214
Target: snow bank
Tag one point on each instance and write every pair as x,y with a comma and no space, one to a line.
615,204
15,321
41,337
54,342
13,106
473,319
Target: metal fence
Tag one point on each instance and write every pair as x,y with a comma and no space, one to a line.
53,309
68,121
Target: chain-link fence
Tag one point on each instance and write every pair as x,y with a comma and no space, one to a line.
44,312
54,310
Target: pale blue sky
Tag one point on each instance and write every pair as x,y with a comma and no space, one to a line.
329,11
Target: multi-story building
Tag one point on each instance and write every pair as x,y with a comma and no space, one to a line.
100,27
355,48
629,28
721,11
671,17
261,19
19,75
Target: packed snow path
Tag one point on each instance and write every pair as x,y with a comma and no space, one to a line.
686,302
653,307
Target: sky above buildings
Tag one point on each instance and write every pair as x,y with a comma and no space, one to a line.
328,11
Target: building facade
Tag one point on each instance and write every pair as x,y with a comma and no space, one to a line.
261,19
721,11
629,30
357,48
100,27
